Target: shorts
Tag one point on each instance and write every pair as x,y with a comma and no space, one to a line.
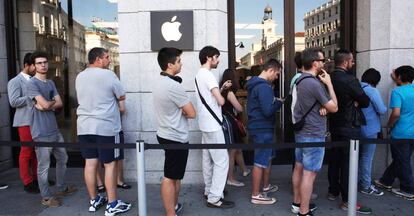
175,160
104,155
263,157
312,157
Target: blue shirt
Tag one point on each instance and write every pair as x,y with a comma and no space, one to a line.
373,112
403,97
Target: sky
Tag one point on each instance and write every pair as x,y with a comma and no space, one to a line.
85,10
246,11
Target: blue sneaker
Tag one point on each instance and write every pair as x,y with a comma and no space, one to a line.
117,207
178,208
96,203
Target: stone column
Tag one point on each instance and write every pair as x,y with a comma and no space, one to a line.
25,23
139,71
384,42
5,152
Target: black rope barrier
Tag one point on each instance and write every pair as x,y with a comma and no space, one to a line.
243,146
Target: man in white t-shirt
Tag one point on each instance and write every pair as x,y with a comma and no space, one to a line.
215,161
172,108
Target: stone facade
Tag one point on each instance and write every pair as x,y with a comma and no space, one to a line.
5,152
384,42
139,69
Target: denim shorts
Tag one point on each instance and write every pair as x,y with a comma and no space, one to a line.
312,157
263,157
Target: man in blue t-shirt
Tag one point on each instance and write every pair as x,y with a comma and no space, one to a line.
400,122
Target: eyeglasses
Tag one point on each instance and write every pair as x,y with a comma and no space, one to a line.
321,60
41,63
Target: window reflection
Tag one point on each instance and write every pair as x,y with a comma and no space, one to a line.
67,38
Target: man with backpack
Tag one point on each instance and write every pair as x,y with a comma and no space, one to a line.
310,104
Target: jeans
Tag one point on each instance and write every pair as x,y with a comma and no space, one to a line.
263,157
43,158
366,155
312,157
400,167
215,166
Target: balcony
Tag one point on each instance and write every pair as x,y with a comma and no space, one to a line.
49,3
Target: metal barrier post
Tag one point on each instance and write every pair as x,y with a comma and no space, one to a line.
142,194
353,177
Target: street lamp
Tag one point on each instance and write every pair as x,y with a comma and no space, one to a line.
240,45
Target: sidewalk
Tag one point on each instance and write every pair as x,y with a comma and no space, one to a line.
16,202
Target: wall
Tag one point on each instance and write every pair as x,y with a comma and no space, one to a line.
139,71
385,42
5,152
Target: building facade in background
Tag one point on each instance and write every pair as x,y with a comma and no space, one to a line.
271,45
322,27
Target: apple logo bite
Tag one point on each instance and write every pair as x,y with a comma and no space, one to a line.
171,30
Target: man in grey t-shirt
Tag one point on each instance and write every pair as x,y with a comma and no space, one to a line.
312,97
99,91
172,109
44,128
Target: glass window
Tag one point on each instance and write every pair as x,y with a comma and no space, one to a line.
67,40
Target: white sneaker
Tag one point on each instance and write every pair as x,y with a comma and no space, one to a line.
270,188
120,207
262,199
235,183
97,203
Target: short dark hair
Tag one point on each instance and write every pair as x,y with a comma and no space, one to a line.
38,54
272,64
27,60
309,56
255,70
406,73
207,51
167,55
230,74
95,53
371,76
298,60
341,56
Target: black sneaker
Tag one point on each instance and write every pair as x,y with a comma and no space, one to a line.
381,185
32,188
296,207
224,194
307,214
222,203
101,189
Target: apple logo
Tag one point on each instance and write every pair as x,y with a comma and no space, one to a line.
170,30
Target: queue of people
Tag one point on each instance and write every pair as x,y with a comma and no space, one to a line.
322,102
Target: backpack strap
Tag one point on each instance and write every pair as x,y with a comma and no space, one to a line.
316,102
